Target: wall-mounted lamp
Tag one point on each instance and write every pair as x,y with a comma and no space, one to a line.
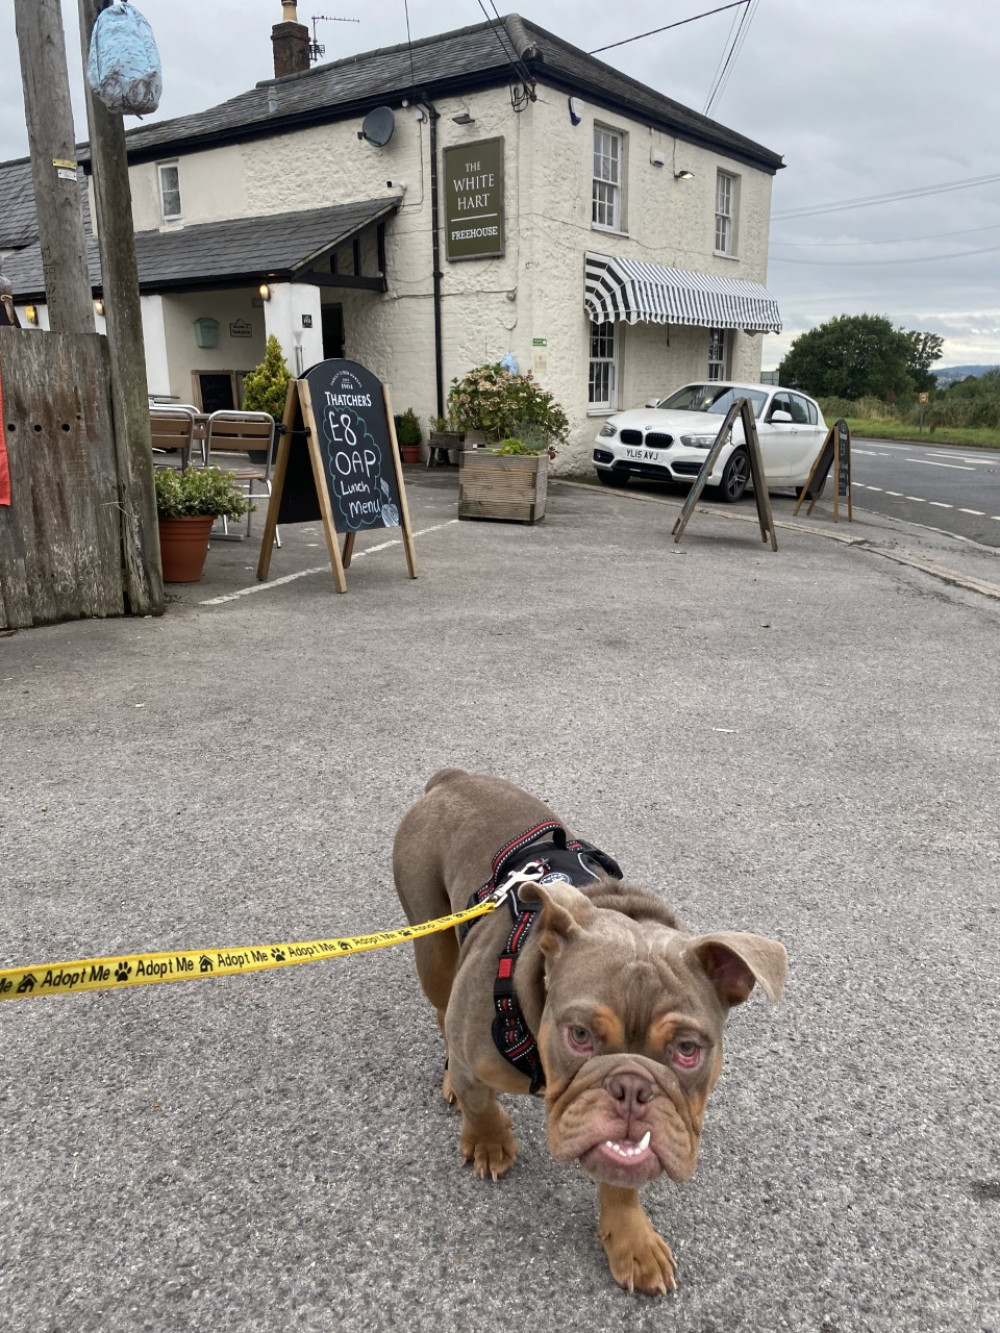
265,291
395,185
31,314
463,118
99,307
684,175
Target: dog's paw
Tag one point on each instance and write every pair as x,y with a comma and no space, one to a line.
640,1259
490,1160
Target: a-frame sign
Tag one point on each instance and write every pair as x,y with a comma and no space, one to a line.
743,409
835,452
338,460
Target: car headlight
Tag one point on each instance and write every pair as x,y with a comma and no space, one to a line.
607,430
698,441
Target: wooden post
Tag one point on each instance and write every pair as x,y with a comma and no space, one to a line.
143,578
49,118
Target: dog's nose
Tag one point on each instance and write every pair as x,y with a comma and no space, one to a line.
630,1089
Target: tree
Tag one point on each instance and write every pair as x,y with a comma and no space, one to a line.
265,387
853,356
925,349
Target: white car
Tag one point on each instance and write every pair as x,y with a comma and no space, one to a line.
668,439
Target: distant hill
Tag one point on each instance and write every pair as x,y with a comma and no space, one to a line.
952,374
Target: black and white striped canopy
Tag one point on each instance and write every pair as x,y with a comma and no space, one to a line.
632,290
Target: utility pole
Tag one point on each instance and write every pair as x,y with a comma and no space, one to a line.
143,579
49,117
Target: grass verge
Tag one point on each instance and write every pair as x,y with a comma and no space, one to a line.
896,430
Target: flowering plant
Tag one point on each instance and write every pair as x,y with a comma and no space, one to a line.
503,405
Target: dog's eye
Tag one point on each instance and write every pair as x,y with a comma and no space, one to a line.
579,1039
687,1054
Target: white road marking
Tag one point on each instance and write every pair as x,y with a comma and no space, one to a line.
955,467
918,498
316,569
940,504
897,494
978,513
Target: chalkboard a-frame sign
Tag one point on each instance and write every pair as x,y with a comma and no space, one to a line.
835,453
338,460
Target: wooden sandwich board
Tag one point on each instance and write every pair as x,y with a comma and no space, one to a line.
835,452
741,408
338,460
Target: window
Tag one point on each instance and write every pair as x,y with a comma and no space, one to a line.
603,391
726,191
717,358
170,190
609,148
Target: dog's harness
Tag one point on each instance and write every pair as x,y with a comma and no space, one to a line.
524,857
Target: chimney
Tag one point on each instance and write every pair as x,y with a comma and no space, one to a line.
290,40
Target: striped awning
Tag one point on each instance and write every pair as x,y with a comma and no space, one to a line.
632,290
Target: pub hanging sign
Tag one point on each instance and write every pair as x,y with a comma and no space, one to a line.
473,200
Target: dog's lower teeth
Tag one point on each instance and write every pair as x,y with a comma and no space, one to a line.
644,1142
628,1149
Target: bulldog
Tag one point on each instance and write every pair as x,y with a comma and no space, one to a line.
580,988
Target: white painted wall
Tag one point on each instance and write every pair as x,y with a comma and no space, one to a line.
548,166
291,306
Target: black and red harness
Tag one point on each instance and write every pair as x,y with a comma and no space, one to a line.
558,860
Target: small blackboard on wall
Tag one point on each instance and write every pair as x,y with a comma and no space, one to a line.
215,390
338,460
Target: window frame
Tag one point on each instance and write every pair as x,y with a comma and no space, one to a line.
720,340
598,332
727,187
598,183
174,166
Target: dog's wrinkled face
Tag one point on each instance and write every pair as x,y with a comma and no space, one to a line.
630,1034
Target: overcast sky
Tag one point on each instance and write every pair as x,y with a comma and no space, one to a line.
862,98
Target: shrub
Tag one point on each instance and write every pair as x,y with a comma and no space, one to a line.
199,491
409,431
265,387
501,405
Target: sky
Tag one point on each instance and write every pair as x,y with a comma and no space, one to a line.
862,98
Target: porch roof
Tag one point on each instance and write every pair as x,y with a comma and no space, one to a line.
275,247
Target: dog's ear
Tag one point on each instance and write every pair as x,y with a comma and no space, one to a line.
734,960
565,912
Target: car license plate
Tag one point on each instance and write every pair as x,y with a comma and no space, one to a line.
642,455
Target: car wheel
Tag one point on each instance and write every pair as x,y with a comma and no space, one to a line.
610,478
735,476
801,490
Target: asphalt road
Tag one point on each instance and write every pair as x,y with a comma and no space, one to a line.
800,743
956,490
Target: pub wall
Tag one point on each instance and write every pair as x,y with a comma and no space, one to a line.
494,306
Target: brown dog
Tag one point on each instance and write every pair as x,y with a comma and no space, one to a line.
621,1012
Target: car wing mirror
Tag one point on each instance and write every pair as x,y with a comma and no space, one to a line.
779,417
652,402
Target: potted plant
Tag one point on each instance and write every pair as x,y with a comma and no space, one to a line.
266,387
409,436
445,436
508,479
187,504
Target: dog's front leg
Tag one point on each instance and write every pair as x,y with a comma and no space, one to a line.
640,1259
487,1141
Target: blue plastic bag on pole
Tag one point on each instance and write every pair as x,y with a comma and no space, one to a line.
124,65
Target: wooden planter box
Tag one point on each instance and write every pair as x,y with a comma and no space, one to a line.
503,486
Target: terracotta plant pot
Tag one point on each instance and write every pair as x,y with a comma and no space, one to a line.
184,546
409,453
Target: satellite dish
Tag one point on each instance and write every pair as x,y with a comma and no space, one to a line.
378,125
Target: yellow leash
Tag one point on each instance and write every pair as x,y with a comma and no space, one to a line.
117,971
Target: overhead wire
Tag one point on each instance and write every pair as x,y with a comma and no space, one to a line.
742,29
518,101
666,27
869,201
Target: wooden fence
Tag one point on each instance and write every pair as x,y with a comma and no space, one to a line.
60,537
